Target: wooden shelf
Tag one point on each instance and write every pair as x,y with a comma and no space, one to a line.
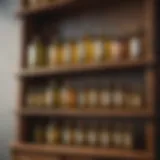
85,151
84,113
68,69
57,5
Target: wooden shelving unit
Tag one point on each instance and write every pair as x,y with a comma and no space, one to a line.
134,13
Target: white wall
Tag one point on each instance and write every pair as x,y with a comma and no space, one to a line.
9,59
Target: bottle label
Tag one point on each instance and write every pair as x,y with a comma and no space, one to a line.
137,101
115,50
31,56
118,98
66,137
135,47
67,53
127,140
104,139
98,50
105,98
80,51
92,98
49,97
52,55
50,134
92,137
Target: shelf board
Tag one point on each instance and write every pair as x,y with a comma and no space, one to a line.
85,151
84,113
68,69
57,5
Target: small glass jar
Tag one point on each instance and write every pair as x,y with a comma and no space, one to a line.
92,98
53,54
79,133
39,134
117,136
92,138
128,136
104,135
118,96
52,133
105,95
51,95
67,133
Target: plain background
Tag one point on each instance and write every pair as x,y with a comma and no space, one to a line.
9,63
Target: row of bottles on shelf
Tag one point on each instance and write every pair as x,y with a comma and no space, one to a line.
110,95
86,50
37,3
92,133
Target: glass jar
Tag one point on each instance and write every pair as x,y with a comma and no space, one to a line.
105,95
116,49
52,133
92,138
53,54
117,135
79,133
39,134
92,98
81,98
67,96
104,135
51,95
66,53
107,49
128,136
135,47
67,133
118,96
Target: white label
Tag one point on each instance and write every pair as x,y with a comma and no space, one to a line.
98,49
118,98
79,137
52,55
92,137
31,56
80,51
135,47
117,138
105,98
92,98
115,50
67,53
104,139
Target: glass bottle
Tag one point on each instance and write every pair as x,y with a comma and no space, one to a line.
40,53
92,138
52,133
118,96
104,135
105,95
128,136
53,53
107,49
117,135
39,134
67,133
51,95
31,56
66,53
79,133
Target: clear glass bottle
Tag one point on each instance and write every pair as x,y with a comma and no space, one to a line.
52,133
105,95
51,95
118,96
117,135
104,135
67,133
79,133
92,138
